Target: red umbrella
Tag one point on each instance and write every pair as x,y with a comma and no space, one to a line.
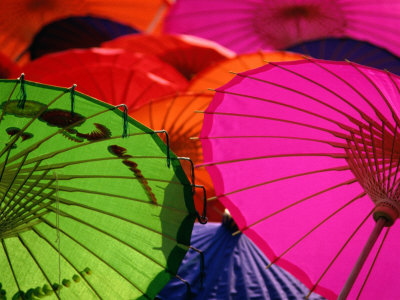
8,68
305,155
250,25
188,54
112,75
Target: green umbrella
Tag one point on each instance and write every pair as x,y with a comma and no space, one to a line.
85,213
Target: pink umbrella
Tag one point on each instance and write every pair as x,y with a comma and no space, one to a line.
306,156
250,25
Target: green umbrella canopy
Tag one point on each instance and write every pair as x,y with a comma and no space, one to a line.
84,212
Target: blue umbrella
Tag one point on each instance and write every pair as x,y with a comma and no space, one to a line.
76,32
357,51
234,268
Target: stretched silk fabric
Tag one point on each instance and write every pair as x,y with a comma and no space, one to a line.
250,25
84,212
8,68
233,269
76,32
356,51
111,75
220,73
305,155
22,20
188,54
176,114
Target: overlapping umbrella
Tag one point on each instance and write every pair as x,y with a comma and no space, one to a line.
84,212
340,49
248,26
233,269
220,73
188,54
176,114
76,32
305,156
111,75
22,20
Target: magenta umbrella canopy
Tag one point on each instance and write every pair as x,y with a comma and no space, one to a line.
251,25
305,155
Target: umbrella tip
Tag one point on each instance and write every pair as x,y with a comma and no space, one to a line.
232,72
199,111
212,90
194,138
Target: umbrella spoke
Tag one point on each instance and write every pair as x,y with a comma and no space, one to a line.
348,182
339,168
339,252
360,196
21,240
332,155
373,263
95,255
10,264
369,103
29,123
38,233
334,133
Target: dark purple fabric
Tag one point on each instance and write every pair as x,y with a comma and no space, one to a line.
339,49
234,269
76,32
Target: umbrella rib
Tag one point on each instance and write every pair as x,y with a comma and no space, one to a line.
383,156
334,133
10,264
339,252
332,155
377,169
339,168
373,263
66,259
59,131
348,182
37,263
15,193
69,203
24,215
95,255
360,196
377,113
354,162
8,100
72,189
18,134
340,125
362,114
391,160
12,181
384,98
333,144
54,153
367,153
113,237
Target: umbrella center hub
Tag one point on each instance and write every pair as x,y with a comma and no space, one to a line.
388,209
282,25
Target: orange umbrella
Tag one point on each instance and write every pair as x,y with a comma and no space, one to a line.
176,114
22,19
188,54
219,74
